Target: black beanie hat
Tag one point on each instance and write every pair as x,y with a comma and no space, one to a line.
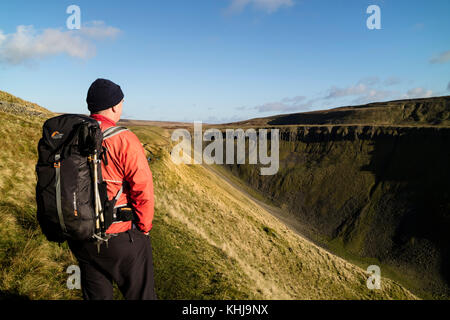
103,94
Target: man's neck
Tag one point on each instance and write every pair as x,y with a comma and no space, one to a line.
105,119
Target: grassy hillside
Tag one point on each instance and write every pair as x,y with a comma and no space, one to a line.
30,267
13,104
210,241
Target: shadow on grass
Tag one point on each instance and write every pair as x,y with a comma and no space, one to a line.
25,214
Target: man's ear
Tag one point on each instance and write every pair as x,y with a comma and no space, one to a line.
116,108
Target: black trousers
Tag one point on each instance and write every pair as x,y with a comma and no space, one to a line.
127,261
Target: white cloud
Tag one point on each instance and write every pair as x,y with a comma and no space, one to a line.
28,44
373,95
285,105
98,30
441,58
418,93
2,38
268,6
275,106
371,89
369,81
366,90
294,100
335,92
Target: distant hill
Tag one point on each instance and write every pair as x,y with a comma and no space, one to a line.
12,104
426,111
162,124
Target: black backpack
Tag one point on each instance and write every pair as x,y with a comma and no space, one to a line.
69,179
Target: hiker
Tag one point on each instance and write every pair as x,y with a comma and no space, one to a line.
127,256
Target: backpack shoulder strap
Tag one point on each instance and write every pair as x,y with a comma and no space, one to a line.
108,133
112,131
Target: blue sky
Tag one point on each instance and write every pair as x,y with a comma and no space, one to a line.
225,60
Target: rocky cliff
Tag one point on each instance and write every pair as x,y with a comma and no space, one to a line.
372,193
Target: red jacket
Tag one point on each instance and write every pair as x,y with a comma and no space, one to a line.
127,162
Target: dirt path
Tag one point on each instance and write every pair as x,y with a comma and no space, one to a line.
286,218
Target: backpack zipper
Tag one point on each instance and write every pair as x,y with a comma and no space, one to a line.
75,212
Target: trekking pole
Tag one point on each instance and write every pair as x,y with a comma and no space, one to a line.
91,159
102,218
97,202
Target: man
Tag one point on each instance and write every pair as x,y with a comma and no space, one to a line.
127,259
